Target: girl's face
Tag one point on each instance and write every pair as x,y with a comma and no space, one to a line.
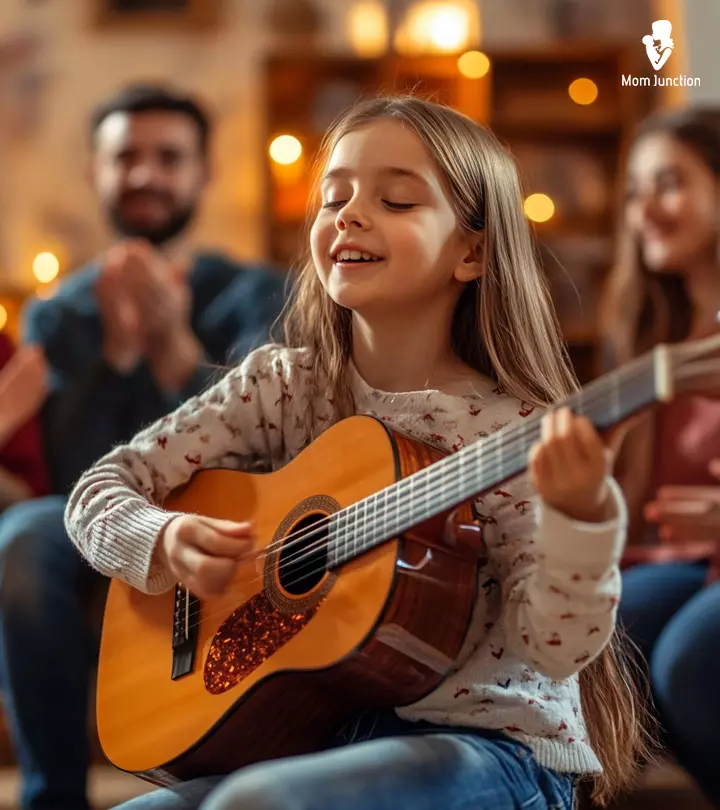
672,204
386,235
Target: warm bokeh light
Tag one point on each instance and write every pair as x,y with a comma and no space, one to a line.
583,91
473,64
539,207
3,317
368,28
285,149
431,26
46,267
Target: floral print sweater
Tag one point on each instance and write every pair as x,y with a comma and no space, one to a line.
547,596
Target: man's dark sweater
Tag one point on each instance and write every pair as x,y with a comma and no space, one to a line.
91,407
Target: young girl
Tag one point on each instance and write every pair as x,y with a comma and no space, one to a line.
421,305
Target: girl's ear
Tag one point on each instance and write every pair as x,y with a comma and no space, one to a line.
472,265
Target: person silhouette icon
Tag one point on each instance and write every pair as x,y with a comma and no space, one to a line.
658,54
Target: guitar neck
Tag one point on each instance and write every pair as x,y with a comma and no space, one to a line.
486,464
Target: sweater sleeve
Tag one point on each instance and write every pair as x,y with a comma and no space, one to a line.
114,514
560,577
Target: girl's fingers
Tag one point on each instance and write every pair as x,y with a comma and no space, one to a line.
541,469
204,575
231,528
545,453
558,441
547,427
589,445
222,538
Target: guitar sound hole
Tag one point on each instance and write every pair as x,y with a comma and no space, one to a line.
303,558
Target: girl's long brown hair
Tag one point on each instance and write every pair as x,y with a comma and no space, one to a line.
640,309
504,326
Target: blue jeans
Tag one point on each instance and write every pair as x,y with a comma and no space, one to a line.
675,620
390,764
47,649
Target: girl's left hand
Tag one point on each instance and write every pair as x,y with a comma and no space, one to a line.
569,467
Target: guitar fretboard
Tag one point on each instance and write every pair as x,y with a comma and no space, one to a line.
482,466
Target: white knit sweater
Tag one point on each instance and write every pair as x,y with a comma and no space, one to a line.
547,598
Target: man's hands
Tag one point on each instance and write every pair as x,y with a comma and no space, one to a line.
122,339
158,290
145,305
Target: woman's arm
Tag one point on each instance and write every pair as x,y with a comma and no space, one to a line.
23,388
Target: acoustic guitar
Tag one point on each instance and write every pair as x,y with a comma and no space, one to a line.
360,597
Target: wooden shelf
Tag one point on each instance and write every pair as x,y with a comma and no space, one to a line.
554,129
160,16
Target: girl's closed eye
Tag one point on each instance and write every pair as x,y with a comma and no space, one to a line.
397,206
335,205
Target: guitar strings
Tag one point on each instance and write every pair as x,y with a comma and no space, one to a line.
432,473
437,470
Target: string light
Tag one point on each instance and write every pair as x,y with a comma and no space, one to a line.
583,91
368,28
539,207
431,26
46,267
473,64
285,149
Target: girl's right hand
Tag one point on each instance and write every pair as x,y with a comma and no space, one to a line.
204,553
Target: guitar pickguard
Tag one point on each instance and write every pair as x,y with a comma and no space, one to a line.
247,638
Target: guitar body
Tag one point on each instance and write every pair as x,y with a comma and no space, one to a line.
287,654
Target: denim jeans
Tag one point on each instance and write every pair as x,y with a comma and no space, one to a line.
47,651
383,763
675,621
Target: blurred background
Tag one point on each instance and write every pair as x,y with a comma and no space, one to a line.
545,75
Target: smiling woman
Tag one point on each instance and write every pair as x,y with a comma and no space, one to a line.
666,288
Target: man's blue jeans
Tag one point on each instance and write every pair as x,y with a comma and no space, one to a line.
384,764
47,651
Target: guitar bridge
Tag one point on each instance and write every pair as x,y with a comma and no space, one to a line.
186,618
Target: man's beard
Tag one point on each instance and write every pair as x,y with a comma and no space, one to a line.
179,218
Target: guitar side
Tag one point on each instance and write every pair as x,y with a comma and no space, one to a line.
382,630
